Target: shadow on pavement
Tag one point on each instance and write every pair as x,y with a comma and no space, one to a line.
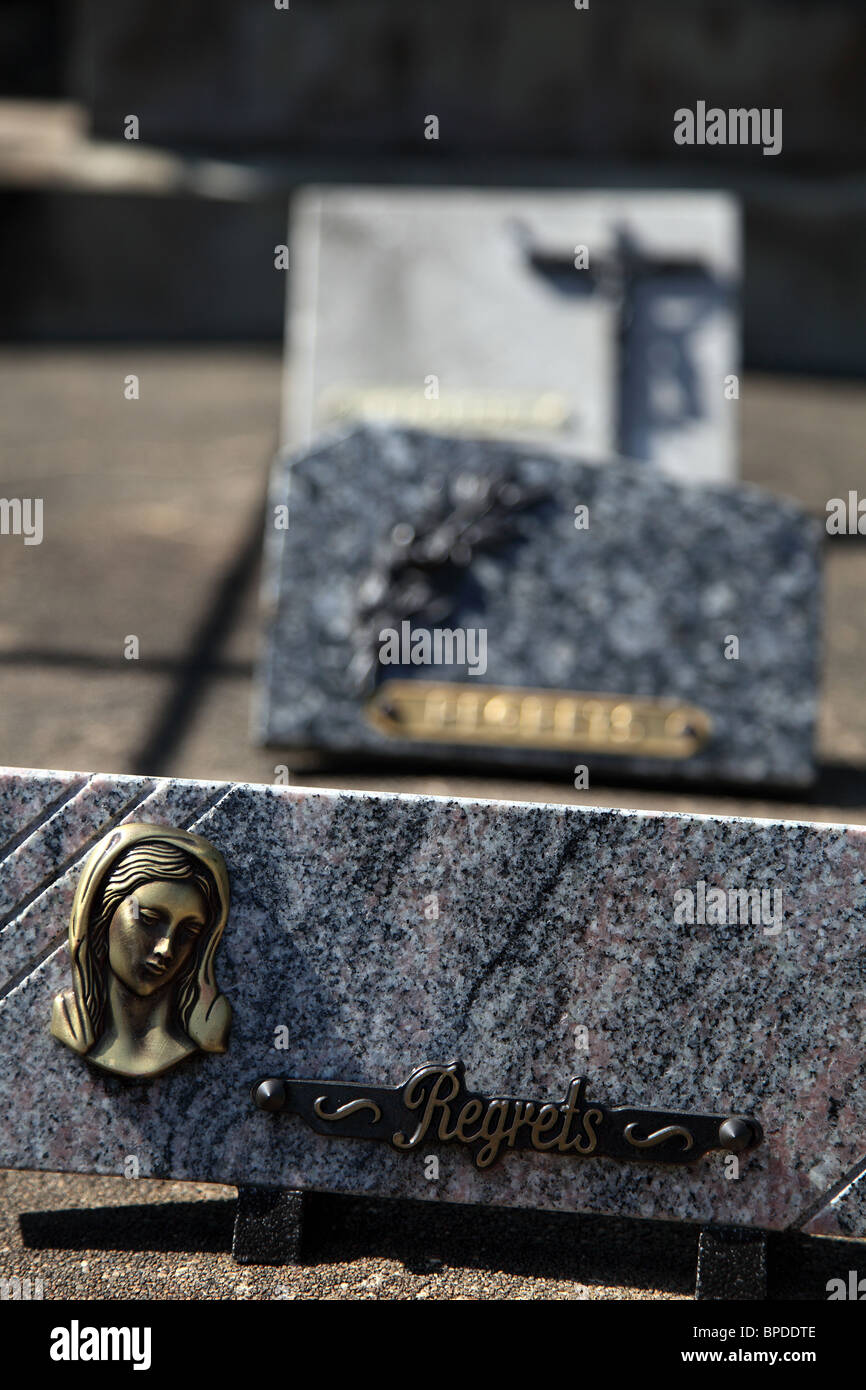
423,1238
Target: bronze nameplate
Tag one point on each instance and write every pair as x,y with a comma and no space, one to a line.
434,1105
521,717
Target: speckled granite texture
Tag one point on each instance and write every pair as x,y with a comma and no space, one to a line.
384,931
640,603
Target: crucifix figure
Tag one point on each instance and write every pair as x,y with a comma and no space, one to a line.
660,302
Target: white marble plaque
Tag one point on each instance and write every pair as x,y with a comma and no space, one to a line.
599,322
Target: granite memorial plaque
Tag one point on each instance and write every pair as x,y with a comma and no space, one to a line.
489,603
601,323
574,1009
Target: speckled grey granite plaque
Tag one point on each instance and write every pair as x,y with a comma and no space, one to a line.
641,600
371,933
599,322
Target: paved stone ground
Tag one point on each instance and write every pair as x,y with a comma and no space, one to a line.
153,514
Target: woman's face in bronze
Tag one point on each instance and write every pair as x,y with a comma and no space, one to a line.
153,933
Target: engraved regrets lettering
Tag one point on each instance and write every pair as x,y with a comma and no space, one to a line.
487,1126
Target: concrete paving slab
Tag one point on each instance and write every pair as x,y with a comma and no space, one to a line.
53,715
144,502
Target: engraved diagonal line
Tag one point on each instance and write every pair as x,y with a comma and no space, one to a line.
830,1195
208,807
108,824
57,941
60,870
33,965
67,794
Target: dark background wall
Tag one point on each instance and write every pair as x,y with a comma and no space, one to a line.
506,77
337,90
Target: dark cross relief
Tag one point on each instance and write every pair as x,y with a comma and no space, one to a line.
433,1104
660,303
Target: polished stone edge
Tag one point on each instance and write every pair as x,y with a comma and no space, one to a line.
845,1215
219,789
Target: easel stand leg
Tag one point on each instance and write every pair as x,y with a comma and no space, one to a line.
732,1263
269,1223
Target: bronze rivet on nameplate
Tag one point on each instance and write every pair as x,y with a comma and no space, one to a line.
270,1094
735,1135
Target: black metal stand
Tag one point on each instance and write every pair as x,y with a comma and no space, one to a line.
732,1263
269,1225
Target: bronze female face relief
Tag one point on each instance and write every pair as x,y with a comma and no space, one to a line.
147,918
